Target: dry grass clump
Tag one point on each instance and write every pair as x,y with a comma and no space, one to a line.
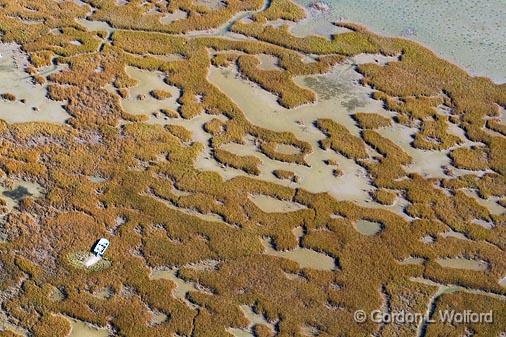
170,113
8,333
337,172
38,79
474,158
278,82
215,127
281,9
410,108
489,184
497,126
341,140
68,42
346,43
261,330
224,59
368,120
135,15
459,302
434,135
160,94
248,164
41,58
8,96
386,147
285,174
271,150
180,132
384,197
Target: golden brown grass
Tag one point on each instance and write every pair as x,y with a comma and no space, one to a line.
341,140
371,120
248,164
281,9
285,174
384,197
277,82
474,158
8,97
149,181
160,94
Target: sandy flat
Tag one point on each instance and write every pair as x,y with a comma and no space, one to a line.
81,329
37,107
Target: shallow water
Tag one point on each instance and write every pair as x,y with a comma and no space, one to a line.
469,33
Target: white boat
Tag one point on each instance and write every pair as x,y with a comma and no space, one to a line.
100,247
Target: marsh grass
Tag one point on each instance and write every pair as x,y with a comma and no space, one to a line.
147,166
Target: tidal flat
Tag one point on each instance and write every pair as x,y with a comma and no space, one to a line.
468,33
258,171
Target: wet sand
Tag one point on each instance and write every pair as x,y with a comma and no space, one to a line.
367,227
272,205
182,287
254,319
140,101
261,108
461,263
306,258
268,62
177,15
426,163
37,107
81,329
19,190
96,25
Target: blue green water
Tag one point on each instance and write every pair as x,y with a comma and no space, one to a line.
469,33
